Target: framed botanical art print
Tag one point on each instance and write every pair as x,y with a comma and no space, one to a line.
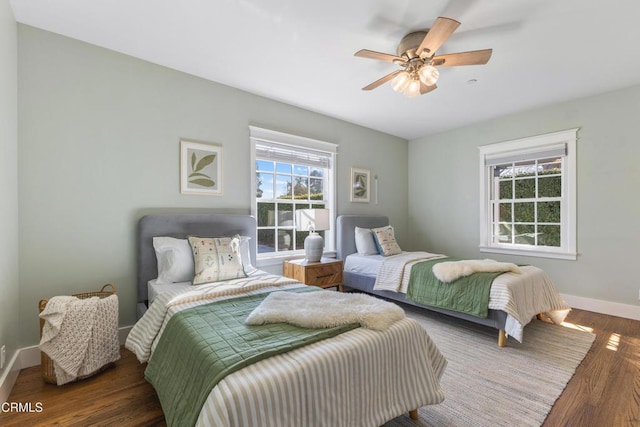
360,187
200,168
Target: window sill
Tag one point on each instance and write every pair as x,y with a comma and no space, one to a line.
530,252
277,259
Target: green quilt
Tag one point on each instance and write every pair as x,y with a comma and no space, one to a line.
202,345
468,294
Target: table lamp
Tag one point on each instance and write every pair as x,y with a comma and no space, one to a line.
313,220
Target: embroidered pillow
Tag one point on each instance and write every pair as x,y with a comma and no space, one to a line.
386,241
216,259
365,245
175,260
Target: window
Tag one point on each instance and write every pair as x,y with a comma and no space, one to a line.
289,173
528,196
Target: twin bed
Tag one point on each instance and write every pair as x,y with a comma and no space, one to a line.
515,298
358,376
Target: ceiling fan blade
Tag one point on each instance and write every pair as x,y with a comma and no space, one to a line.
365,53
474,57
426,89
437,35
382,80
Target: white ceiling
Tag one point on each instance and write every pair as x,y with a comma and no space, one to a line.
301,52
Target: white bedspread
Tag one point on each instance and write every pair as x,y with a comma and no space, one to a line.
353,372
521,295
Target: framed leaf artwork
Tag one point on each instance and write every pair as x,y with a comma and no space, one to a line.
360,185
200,168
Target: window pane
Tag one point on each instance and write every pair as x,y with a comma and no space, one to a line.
503,233
285,240
301,170
266,214
317,172
524,212
549,212
283,168
266,241
505,212
524,234
525,188
283,187
300,236
264,184
550,186
549,166
264,165
503,171
301,188
549,235
285,215
506,189
316,190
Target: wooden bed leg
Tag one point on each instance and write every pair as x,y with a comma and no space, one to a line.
502,338
413,414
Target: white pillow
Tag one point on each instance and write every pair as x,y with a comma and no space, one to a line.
245,254
175,260
386,241
216,259
365,245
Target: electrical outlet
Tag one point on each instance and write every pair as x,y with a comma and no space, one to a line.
3,355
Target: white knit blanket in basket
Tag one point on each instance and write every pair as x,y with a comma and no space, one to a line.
80,335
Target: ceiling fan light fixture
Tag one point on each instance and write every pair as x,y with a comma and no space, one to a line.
428,74
412,89
401,81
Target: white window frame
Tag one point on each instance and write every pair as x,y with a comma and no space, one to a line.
520,149
257,134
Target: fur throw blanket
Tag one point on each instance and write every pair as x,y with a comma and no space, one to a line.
80,335
325,309
449,271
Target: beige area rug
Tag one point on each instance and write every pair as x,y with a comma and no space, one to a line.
490,386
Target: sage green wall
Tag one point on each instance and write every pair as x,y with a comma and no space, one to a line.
99,146
8,181
444,202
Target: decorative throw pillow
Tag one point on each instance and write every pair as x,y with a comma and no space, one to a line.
175,260
216,259
386,240
365,245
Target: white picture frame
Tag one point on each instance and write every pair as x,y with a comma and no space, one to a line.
200,168
360,190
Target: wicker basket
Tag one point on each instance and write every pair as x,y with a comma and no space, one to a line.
48,372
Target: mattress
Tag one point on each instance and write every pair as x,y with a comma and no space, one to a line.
363,264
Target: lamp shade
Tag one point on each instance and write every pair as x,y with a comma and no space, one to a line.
312,220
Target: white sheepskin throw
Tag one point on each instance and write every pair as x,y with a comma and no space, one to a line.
449,271
325,309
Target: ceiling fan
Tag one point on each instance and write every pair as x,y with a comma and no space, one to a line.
416,56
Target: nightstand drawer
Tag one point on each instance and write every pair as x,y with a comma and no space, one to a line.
326,273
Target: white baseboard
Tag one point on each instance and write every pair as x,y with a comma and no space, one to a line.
28,357
9,376
627,311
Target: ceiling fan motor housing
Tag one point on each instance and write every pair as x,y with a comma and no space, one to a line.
410,43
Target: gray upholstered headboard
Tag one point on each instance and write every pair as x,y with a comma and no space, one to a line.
346,231
181,226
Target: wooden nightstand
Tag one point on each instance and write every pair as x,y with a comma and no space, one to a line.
326,273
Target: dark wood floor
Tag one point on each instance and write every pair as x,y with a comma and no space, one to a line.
605,390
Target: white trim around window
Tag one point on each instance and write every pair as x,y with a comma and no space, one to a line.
287,148
560,145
